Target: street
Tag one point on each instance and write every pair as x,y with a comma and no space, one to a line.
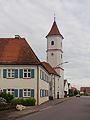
74,109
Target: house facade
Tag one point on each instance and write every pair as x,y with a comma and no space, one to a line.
66,88
21,72
54,81
85,91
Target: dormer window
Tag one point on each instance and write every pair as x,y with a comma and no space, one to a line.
52,42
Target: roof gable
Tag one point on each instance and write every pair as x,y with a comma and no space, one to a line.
16,51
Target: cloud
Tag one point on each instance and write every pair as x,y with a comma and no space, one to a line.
33,19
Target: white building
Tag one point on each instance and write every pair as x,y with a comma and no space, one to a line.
55,53
21,72
54,81
66,88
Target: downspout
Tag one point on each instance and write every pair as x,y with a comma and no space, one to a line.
54,86
37,85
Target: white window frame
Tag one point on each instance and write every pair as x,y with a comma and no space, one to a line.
27,92
11,72
10,91
27,72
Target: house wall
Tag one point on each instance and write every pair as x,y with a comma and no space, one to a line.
66,87
24,83
43,86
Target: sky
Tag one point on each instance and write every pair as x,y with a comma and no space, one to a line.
33,19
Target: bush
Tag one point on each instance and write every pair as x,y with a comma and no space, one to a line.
24,101
6,96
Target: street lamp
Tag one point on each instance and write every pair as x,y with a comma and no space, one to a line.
61,64
58,71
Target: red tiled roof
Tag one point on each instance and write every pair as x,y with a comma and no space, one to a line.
49,68
16,51
54,30
85,89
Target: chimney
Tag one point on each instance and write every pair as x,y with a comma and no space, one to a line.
17,36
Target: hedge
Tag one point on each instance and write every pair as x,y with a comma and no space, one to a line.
24,101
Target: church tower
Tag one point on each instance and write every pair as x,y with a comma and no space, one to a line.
55,53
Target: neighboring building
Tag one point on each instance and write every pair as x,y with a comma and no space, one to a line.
21,72
66,88
85,90
55,53
69,86
54,81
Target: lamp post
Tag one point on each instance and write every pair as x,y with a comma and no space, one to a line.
62,77
61,64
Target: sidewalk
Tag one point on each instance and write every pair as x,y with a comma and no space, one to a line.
32,109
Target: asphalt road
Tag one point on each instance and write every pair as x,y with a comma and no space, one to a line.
74,109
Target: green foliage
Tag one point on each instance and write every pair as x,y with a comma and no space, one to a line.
24,101
70,93
76,92
6,96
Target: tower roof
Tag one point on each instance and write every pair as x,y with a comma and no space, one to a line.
54,30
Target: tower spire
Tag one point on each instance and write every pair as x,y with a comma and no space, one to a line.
54,17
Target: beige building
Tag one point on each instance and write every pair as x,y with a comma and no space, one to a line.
21,72
54,81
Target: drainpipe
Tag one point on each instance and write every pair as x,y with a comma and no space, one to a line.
54,86
37,85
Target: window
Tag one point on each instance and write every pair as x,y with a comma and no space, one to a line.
61,56
61,44
52,42
26,73
10,91
43,76
52,54
10,73
43,93
26,92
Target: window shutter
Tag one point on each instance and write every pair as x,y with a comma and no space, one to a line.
42,93
32,73
32,92
16,93
4,73
21,93
4,90
16,73
21,73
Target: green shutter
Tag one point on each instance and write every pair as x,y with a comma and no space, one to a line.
21,93
16,73
4,73
32,73
42,93
21,73
32,92
4,90
16,93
